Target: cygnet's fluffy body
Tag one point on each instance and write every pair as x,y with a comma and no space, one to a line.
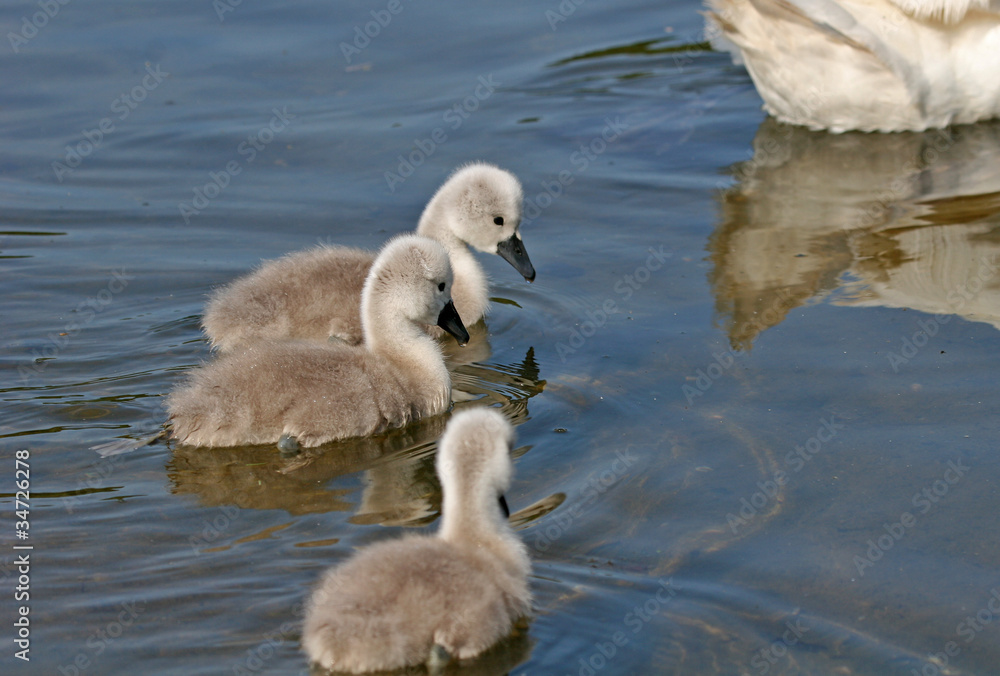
869,65
321,392
315,294
461,589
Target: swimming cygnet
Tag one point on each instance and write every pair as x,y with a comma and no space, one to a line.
317,392
315,294
403,602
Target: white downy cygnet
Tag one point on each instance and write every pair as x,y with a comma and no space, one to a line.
402,602
869,65
315,294
316,392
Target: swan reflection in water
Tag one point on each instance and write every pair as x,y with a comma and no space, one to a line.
400,486
907,220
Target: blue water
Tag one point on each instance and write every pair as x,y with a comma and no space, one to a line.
753,382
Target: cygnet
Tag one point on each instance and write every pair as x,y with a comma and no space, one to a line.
417,599
317,392
316,294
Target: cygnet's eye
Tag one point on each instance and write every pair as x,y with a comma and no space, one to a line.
441,286
498,220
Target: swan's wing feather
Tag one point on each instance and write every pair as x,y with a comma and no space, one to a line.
864,25
867,64
947,11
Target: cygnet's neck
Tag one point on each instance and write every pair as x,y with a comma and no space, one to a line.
470,284
404,343
465,524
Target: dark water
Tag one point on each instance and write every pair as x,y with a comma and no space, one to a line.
755,380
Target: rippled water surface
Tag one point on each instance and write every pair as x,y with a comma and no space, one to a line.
754,382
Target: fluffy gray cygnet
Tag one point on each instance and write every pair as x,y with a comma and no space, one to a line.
316,294
319,392
403,602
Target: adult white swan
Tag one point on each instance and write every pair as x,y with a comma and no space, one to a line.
868,65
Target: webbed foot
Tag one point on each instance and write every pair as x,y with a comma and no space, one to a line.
288,445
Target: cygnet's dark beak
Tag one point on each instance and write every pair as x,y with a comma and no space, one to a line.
512,250
504,508
452,323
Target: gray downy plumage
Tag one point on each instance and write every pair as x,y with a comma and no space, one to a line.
318,392
403,602
316,294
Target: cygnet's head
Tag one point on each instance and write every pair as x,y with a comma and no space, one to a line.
412,278
475,469
482,206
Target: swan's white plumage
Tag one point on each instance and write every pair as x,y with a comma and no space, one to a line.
869,65
319,392
315,294
948,11
461,589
